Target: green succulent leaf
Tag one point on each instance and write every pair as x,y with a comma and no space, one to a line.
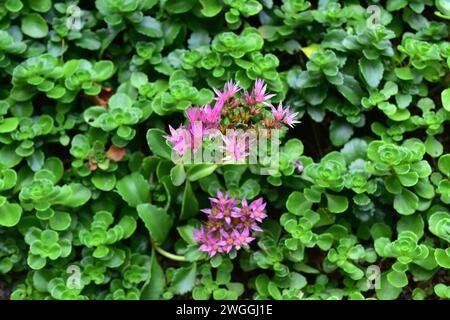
133,189
199,171
154,287
10,214
406,202
158,144
189,206
444,164
336,204
184,279
397,279
445,96
156,220
34,26
372,71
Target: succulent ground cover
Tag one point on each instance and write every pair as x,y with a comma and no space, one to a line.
104,106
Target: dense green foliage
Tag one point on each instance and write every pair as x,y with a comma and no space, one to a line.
88,188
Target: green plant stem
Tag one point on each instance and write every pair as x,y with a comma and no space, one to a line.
168,255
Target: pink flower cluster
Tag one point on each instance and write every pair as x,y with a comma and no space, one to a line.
229,225
284,115
230,111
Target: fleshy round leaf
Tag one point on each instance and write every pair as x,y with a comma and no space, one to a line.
444,164
34,25
336,203
10,214
406,202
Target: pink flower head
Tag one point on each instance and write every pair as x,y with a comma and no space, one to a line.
211,116
229,225
289,118
250,224
250,214
194,114
223,201
284,115
222,207
203,122
229,90
199,234
249,98
259,92
227,241
225,214
241,239
235,147
210,245
208,211
180,139
257,210
243,212
253,226
278,113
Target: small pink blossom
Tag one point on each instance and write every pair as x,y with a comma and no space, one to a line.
284,115
223,200
249,98
194,115
199,235
229,91
278,113
243,212
227,241
257,210
203,121
210,245
180,139
249,223
250,214
211,116
289,118
241,239
225,214
252,225
259,92
196,132
92,166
